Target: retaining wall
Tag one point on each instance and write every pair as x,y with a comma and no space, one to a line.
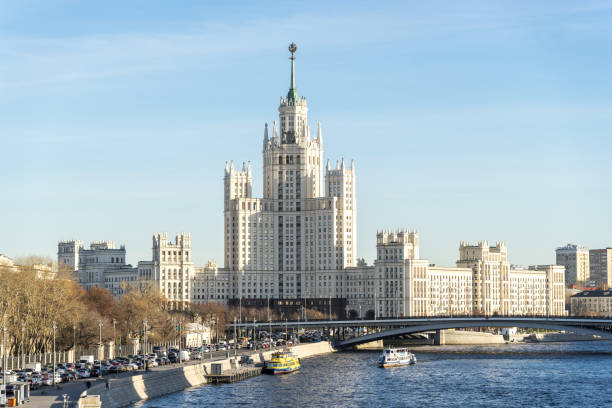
459,337
156,383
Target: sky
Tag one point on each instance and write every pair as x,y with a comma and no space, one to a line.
468,121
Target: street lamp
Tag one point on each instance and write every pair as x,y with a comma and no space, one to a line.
21,347
269,321
180,340
4,355
144,335
254,336
54,329
114,337
99,356
235,344
74,339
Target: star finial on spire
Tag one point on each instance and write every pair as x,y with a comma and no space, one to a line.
292,94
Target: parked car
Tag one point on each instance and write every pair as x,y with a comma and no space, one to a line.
84,373
114,369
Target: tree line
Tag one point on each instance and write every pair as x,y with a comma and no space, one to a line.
31,304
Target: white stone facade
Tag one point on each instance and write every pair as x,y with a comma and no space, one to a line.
210,284
483,283
296,241
173,268
91,264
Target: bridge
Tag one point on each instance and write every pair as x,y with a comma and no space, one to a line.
385,328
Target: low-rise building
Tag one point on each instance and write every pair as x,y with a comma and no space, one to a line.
196,334
210,284
596,303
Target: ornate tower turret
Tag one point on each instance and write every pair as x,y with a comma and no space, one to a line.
293,110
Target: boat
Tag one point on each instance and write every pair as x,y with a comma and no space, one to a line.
393,357
282,362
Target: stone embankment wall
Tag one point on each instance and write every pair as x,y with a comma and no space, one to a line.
554,337
459,337
129,390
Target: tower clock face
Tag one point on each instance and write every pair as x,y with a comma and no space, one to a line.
289,137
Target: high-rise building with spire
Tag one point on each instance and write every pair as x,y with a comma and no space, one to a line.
295,241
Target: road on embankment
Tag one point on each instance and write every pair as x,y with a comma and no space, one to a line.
47,396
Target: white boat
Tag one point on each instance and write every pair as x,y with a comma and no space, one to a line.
393,357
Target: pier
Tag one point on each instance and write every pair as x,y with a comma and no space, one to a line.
233,375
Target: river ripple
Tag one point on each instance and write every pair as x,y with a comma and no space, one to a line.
513,375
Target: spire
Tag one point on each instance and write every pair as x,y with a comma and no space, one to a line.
266,140
292,94
274,133
319,133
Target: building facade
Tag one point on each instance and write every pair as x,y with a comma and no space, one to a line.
592,303
295,241
90,264
296,246
575,259
600,264
483,283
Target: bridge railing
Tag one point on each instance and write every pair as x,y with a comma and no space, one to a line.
386,320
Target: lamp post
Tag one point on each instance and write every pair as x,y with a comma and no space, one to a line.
180,340
114,337
254,336
21,347
269,321
4,355
235,344
144,336
54,326
99,356
74,340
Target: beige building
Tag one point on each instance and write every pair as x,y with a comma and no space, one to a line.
173,267
592,303
296,241
600,263
482,283
575,259
209,284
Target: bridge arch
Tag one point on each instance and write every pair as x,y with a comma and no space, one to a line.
463,325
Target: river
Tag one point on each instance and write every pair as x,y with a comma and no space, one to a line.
512,375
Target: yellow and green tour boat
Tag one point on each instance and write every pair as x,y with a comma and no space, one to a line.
282,362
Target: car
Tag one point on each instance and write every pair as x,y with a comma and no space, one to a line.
114,369
83,373
35,383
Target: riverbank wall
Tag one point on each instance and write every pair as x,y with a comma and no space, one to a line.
123,392
552,337
459,337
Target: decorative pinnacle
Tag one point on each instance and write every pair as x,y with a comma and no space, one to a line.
292,94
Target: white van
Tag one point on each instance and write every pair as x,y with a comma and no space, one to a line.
184,355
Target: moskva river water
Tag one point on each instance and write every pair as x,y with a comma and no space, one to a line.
513,375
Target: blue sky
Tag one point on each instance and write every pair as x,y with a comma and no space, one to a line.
475,120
